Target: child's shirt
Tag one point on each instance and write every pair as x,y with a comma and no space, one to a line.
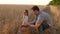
25,20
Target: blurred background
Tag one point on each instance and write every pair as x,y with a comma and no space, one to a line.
11,14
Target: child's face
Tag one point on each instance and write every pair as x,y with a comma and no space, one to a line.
25,13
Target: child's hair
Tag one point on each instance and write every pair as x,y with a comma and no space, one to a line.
26,11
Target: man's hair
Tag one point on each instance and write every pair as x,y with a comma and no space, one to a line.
35,8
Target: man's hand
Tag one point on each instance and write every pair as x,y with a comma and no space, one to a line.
35,26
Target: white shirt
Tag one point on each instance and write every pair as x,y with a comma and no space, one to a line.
25,20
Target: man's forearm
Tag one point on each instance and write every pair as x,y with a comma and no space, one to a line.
35,26
32,26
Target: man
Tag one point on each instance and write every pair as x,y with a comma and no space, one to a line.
41,17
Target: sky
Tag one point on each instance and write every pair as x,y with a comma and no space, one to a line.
25,2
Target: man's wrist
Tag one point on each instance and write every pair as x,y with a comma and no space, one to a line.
31,25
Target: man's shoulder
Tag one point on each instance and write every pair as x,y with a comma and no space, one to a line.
43,13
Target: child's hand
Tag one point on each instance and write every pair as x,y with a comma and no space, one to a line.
26,24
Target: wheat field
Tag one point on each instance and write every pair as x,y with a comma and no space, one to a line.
11,17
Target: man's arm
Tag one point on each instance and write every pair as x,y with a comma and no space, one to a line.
35,26
38,22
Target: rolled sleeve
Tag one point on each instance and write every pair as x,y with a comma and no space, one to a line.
39,19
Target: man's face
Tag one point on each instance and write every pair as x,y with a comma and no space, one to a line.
35,12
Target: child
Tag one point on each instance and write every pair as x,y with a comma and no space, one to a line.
25,18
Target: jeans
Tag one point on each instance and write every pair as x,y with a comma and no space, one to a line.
40,29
